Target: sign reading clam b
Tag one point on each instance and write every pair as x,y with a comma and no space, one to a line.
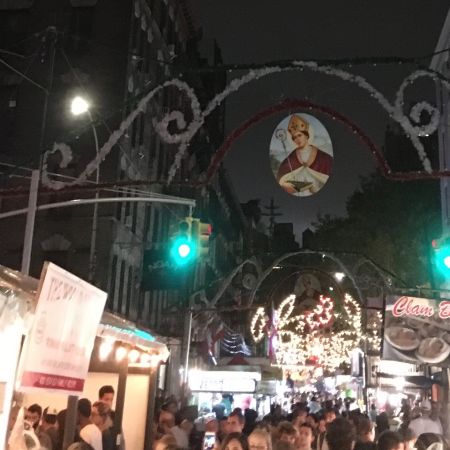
417,330
58,349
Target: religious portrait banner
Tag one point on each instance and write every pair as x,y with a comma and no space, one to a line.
417,330
301,154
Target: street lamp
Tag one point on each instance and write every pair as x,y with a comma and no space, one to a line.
79,106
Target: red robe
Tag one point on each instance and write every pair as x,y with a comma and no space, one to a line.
320,162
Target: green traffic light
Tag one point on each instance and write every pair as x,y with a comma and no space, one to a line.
442,260
447,262
182,251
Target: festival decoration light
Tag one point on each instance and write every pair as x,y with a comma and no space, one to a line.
411,122
373,332
324,336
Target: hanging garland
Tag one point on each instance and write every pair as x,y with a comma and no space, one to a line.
410,124
324,336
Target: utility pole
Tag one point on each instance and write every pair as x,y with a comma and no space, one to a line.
49,38
271,214
440,64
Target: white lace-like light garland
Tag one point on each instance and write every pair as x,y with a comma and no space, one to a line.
409,123
301,338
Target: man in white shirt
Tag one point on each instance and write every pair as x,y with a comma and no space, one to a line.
89,432
424,424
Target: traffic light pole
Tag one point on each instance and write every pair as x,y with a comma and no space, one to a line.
32,208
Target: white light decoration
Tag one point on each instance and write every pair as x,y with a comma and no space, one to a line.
105,348
373,332
133,355
339,276
121,352
410,123
324,335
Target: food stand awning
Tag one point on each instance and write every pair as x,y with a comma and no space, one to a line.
115,327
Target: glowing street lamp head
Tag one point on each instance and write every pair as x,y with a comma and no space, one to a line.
79,106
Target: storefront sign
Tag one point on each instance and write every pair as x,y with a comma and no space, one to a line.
417,330
58,349
223,381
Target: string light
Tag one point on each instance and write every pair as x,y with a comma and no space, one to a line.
373,332
121,352
105,348
323,335
186,130
133,355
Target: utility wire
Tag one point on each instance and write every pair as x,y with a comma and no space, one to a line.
18,72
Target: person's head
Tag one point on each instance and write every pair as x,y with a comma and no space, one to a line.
382,421
287,432
409,438
84,408
171,406
433,440
235,441
340,435
299,130
311,421
106,395
235,422
305,436
300,415
390,440
365,431
260,439
100,415
33,414
322,425
223,425
49,417
212,425
329,415
166,420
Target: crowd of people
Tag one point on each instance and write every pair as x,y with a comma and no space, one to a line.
94,429
311,425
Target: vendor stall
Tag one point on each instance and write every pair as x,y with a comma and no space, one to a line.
112,349
232,389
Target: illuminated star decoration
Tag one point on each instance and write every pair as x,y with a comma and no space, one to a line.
324,336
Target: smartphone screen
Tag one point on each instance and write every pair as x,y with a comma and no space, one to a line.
209,440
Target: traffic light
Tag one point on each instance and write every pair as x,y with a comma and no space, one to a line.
201,232
182,246
441,248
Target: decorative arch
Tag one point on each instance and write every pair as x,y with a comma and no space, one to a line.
291,104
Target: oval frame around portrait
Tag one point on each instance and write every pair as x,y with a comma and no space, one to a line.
305,171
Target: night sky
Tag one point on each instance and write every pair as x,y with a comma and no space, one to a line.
259,31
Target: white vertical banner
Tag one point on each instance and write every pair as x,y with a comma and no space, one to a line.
58,349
